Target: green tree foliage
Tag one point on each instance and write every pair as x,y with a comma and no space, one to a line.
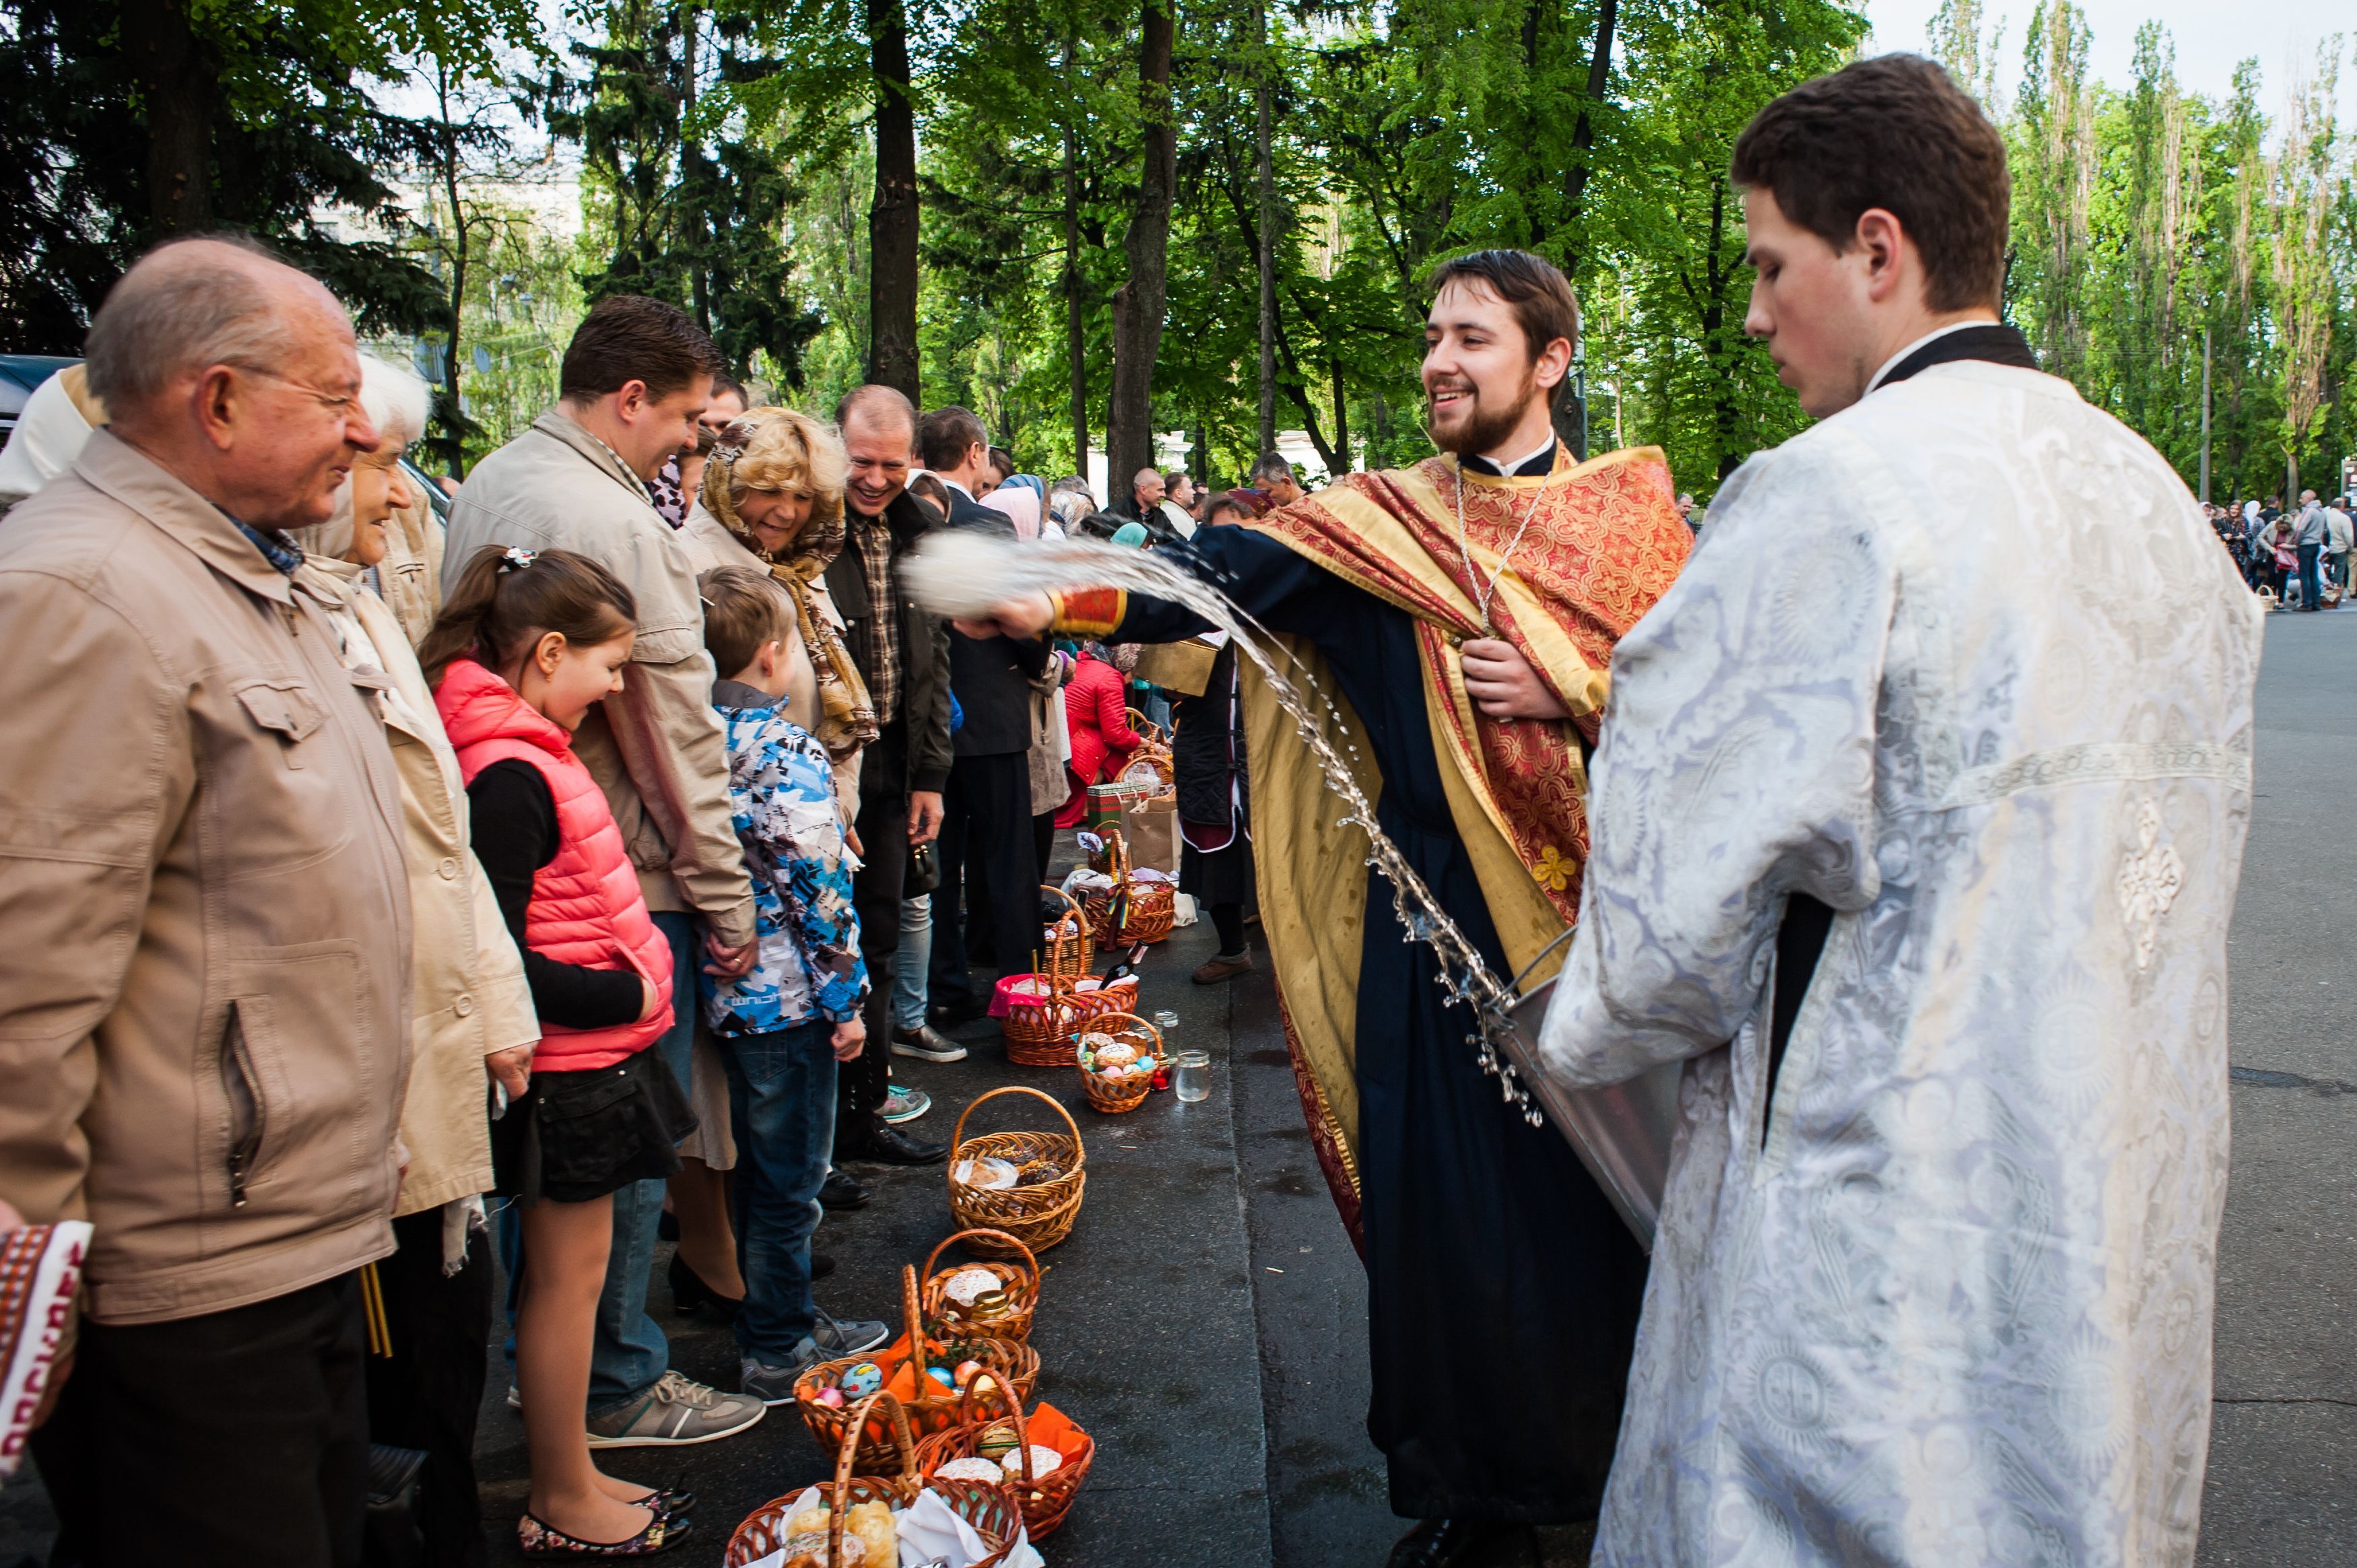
2147,218
673,107
126,121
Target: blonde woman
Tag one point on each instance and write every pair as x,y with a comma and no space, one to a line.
772,499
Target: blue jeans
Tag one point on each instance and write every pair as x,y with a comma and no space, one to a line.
909,969
2309,597
781,1105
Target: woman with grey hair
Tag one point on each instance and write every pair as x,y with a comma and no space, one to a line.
472,1021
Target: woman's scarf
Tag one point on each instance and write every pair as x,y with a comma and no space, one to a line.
1021,506
846,717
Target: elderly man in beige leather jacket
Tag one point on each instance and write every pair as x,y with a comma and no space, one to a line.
635,377
204,992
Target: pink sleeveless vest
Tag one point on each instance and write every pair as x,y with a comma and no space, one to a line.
586,908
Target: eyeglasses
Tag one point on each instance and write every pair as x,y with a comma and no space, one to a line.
344,407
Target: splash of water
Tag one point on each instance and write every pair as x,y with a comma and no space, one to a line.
967,575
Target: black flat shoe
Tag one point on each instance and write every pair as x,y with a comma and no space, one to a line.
688,1293
1465,1544
821,1266
952,1015
888,1145
843,1190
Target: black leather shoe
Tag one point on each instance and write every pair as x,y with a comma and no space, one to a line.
953,1014
843,1190
820,1265
1465,1544
688,1291
888,1145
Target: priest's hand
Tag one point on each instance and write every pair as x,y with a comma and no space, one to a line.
1027,615
1503,685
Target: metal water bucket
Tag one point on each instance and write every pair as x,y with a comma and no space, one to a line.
1622,1133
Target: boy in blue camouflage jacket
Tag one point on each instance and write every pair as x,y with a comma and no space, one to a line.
783,1028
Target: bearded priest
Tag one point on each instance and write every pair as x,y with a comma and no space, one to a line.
1462,615
1946,847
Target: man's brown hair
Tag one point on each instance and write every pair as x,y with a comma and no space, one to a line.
1540,296
743,609
945,436
1895,133
629,338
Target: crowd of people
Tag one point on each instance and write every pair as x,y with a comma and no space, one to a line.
542,884
602,854
2296,559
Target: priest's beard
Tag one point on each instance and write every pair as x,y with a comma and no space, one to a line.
1485,424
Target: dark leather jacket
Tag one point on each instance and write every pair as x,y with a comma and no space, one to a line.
924,707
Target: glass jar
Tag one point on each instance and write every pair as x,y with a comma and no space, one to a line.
1193,1077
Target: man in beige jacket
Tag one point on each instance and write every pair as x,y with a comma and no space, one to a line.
203,996
635,377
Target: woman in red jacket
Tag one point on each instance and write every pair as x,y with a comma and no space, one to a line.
1096,714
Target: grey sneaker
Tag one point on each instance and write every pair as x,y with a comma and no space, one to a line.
673,1413
927,1044
772,1382
905,1104
843,1337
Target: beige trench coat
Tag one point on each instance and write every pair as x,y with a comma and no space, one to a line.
467,995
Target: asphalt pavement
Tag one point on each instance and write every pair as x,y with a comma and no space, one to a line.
2283,1437
1206,1320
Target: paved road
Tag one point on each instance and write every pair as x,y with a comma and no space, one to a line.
1206,1321
2283,1442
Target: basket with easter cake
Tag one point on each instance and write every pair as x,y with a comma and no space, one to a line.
923,1373
869,1521
1118,1055
1041,1458
993,1298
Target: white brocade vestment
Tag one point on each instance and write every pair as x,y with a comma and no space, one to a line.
1964,662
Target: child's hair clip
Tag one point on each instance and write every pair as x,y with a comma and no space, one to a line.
512,556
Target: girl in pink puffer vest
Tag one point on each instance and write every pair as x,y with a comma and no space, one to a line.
527,644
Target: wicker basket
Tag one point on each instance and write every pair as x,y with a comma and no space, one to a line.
1157,738
1077,950
991,1511
1018,1281
1130,1094
1165,776
931,1407
1037,1025
1153,906
1044,1501
1037,1216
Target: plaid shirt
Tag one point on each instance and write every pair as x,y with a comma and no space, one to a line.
873,539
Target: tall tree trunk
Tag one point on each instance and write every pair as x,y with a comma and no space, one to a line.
177,84
454,409
1076,341
1583,130
694,184
1341,421
1138,303
892,221
1717,276
1264,161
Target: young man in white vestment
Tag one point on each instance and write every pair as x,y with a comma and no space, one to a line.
1920,862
